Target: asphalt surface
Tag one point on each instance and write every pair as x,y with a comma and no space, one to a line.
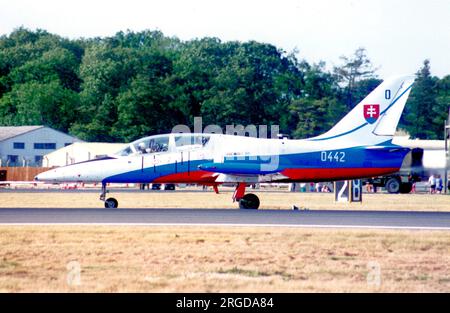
232,217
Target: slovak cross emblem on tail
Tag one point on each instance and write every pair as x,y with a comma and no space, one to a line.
371,112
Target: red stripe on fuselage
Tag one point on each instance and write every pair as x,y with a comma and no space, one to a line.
200,177
294,174
328,174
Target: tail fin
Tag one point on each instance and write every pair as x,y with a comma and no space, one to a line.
375,118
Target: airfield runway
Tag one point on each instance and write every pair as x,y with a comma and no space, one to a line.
228,217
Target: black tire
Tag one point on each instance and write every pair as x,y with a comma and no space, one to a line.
249,202
393,185
111,203
405,188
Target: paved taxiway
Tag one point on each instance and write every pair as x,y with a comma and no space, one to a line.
232,217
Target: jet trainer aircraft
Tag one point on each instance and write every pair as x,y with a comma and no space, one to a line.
358,146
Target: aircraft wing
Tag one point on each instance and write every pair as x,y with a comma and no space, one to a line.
238,168
391,148
241,172
250,179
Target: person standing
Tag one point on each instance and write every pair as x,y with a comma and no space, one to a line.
432,183
439,185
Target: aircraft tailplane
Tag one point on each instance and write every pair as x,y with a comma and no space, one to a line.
374,120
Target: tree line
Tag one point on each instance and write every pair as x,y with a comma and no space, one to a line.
135,84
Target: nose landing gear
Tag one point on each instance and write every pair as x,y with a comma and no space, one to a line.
110,203
246,201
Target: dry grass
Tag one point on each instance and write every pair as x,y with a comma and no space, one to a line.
269,200
226,259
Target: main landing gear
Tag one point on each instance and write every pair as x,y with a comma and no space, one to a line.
110,203
246,201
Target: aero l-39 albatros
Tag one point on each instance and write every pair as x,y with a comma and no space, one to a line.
358,146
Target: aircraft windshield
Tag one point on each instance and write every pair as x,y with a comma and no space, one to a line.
152,145
192,140
163,143
125,152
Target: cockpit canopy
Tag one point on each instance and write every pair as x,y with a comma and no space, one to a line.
166,143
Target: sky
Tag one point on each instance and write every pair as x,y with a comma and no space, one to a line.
397,34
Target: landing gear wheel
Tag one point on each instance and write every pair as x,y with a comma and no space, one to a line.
249,201
393,185
111,203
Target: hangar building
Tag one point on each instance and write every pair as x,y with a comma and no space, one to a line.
27,145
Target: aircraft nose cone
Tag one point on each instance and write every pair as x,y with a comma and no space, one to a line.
46,176
40,177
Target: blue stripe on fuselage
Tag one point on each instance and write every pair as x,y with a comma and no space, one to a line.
356,157
149,174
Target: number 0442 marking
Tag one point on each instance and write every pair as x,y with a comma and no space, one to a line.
332,156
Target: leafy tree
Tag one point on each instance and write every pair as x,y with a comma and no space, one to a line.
310,116
37,51
198,63
354,68
57,64
442,109
104,72
34,103
255,86
134,84
145,109
422,107
319,108
363,87
124,79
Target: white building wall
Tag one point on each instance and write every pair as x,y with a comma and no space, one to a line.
80,152
69,155
29,153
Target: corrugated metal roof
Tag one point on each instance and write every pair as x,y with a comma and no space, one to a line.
7,132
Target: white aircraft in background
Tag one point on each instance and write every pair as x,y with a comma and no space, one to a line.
358,146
